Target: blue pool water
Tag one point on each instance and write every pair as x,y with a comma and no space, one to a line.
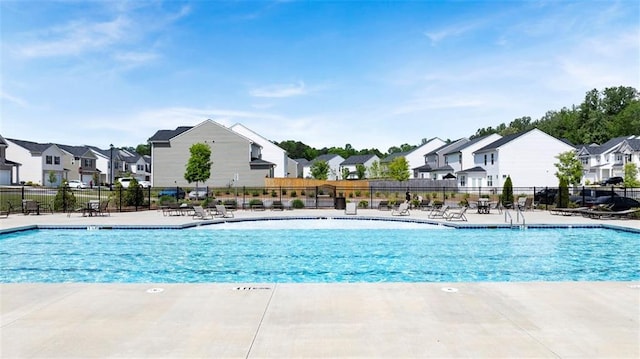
319,255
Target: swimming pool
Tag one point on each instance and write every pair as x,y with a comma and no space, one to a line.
266,255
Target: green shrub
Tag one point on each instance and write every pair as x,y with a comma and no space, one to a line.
363,204
274,193
358,193
65,199
350,194
254,202
507,193
284,191
297,203
255,193
294,194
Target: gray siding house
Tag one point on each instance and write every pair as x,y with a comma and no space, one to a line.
236,160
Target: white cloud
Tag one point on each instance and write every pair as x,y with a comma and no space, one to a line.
75,38
280,90
13,99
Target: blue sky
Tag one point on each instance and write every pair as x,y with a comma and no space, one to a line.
370,74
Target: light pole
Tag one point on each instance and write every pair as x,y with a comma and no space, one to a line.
111,167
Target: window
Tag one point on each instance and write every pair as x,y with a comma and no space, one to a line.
140,168
56,160
463,181
618,157
49,160
88,163
460,158
492,158
585,161
490,181
446,160
485,160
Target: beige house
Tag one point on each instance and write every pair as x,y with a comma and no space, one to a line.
236,160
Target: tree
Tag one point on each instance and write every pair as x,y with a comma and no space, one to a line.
65,199
630,175
345,173
375,171
569,167
134,196
507,193
320,170
563,196
399,169
199,164
143,149
361,171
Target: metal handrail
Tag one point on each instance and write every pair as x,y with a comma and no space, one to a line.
518,215
506,213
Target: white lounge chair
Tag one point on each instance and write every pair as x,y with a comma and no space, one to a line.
200,213
403,210
439,212
221,211
457,215
351,208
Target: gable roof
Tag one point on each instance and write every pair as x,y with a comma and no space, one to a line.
326,157
473,169
32,147
465,145
390,157
451,146
502,141
357,160
166,135
76,151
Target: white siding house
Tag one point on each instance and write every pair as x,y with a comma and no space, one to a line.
435,166
38,160
416,159
607,160
460,160
351,164
332,160
270,151
527,157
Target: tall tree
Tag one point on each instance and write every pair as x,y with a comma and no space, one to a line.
399,169
631,175
569,167
320,170
199,164
507,193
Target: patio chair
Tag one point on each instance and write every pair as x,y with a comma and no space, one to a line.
527,204
257,205
103,209
384,206
351,208
200,213
457,215
30,206
402,210
221,211
277,206
439,212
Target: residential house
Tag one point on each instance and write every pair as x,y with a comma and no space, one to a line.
351,164
607,160
38,161
332,160
415,157
460,158
527,157
80,163
300,164
7,167
236,159
435,166
134,165
270,151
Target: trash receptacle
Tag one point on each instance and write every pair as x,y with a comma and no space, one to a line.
340,203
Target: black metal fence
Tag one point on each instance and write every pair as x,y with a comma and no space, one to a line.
327,196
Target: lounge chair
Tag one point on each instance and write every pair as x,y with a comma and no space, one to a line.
277,206
103,209
200,213
402,210
568,211
457,215
221,211
351,208
439,212
30,206
527,204
596,214
384,206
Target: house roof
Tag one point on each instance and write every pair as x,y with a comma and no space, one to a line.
326,157
423,168
390,157
166,135
473,169
32,147
465,145
448,147
76,151
445,168
357,160
595,149
301,161
502,141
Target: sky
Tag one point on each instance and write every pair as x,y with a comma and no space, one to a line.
371,74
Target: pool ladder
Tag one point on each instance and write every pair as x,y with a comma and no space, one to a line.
519,215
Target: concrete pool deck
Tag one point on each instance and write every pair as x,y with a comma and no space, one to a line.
266,320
